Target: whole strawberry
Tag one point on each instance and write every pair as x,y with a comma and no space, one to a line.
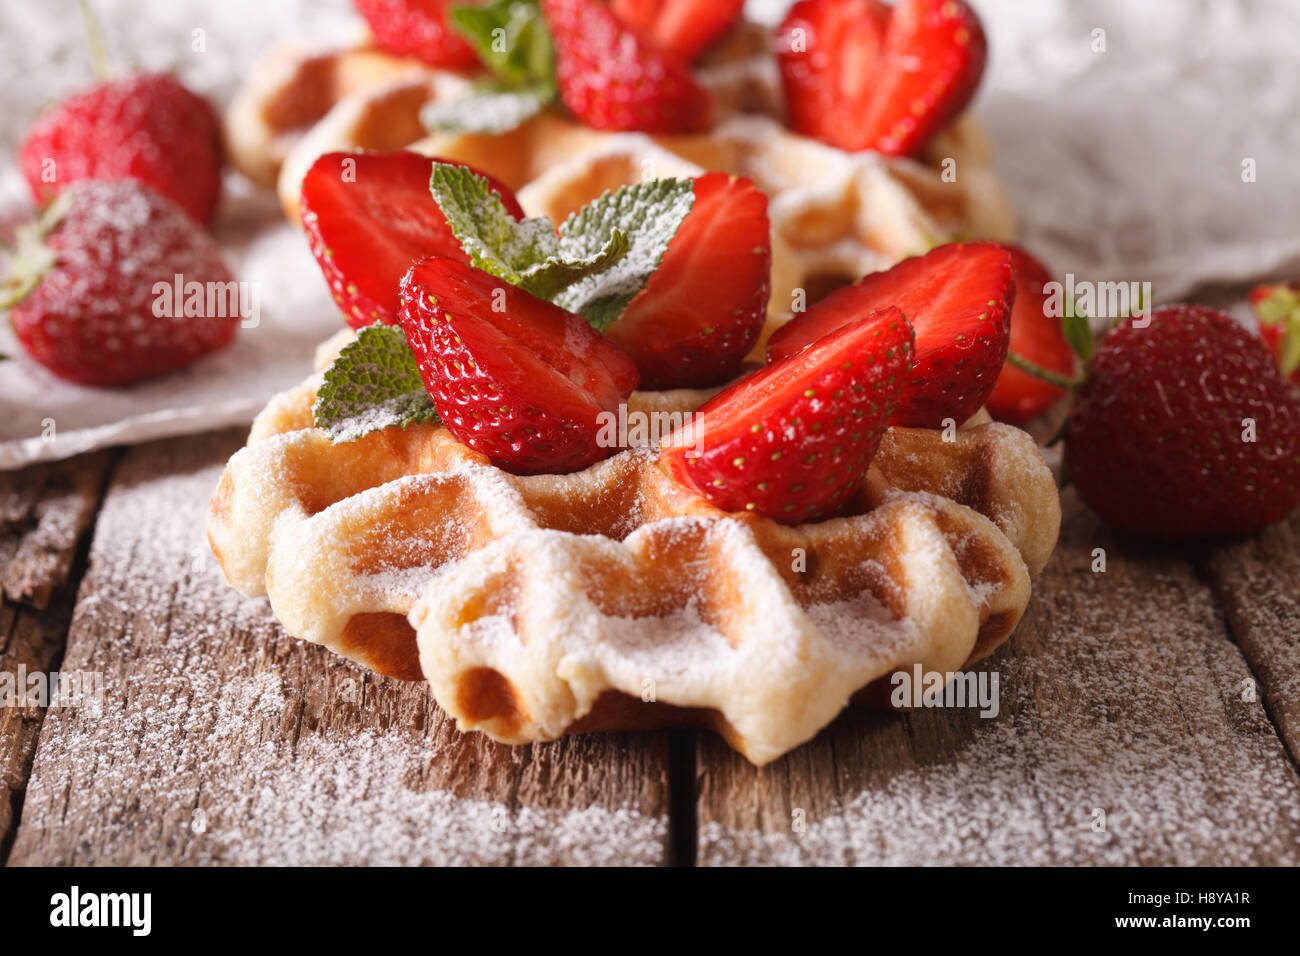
86,286
147,127
417,28
1184,429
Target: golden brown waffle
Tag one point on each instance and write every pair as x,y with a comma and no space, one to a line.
835,215
614,599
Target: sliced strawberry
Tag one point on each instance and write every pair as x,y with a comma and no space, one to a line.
829,52
793,440
1277,307
417,28
611,78
684,27
858,76
957,297
368,216
512,376
1035,335
703,308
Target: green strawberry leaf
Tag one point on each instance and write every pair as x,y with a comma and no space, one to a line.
601,257
373,384
650,214
1078,332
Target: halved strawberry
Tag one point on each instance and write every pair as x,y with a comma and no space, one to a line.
1277,307
958,297
791,441
703,308
858,75
512,376
611,78
1035,335
417,28
368,216
685,27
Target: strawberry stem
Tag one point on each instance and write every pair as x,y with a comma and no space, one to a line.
1047,375
99,60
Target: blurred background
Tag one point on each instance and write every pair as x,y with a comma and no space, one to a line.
1122,130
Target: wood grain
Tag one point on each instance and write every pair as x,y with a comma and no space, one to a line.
31,643
44,510
1124,737
1257,582
224,741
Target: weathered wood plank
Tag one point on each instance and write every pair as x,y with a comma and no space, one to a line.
223,740
1121,694
1257,582
44,510
31,642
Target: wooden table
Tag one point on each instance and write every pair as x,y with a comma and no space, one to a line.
1148,715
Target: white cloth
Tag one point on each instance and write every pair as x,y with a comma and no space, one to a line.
1123,165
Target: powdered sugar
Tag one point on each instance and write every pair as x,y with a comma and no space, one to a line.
215,740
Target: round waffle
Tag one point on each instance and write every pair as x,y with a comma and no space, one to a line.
612,598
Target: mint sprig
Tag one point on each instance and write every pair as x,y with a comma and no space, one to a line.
594,264
374,383
511,40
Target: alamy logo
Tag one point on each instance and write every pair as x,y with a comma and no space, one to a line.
75,908
922,688
208,300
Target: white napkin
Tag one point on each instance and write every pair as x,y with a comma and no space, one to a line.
1124,164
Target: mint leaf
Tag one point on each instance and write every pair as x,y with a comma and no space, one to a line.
373,384
491,107
510,39
494,241
650,214
598,261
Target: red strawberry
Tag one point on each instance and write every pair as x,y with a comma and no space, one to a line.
859,75
1277,307
146,127
610,78
793,440
702,309
1035,335
684,27
83,282
366,229
418,28
516,378
1158,441
959,300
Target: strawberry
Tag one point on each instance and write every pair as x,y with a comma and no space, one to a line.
611,78
703,308
1277,307
147,127
1035,335
684,27
82,286
512,376
417,28
367,227
957,297
794,439
860,75
1183,429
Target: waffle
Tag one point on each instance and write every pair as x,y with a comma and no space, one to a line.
613,599
835,215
